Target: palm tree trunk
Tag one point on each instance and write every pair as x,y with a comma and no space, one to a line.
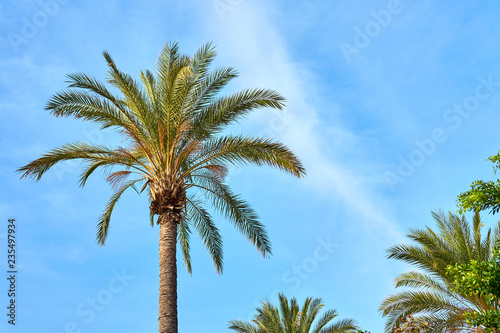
168,274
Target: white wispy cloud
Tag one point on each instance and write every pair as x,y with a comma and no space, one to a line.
246,38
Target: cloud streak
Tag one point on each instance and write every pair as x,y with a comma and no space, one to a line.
258,50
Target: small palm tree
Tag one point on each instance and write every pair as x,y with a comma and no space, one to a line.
431,298
172,123
289,318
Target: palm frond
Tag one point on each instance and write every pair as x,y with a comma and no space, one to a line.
207,230
227,110
243,327
184,233
430,296
82,105
94,154
103,221
342,326
235,209
239,150
205,91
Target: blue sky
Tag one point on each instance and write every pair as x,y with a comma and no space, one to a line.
392,106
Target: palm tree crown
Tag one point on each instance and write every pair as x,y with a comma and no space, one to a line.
431,298
290,318
172,122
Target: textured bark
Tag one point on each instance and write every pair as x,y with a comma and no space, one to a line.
168,274
167,196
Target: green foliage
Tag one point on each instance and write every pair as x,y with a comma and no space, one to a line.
431,297
489,319
482,195
477,278
480,279
290,318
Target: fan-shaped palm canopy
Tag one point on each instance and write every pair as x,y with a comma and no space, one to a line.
172,122
290,318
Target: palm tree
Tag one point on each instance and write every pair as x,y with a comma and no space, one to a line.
432,298
289,318
172,124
